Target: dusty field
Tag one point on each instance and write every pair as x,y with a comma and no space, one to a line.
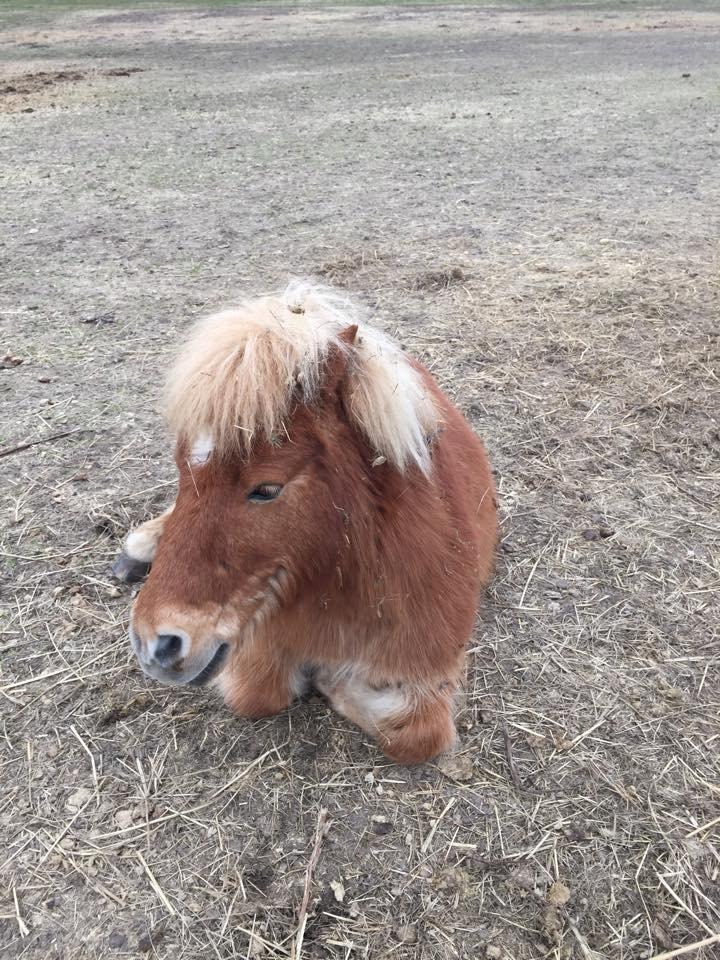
529,200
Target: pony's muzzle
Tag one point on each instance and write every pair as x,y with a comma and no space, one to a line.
166,649
168,657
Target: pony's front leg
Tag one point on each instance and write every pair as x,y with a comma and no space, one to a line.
138,552
411,723
257,684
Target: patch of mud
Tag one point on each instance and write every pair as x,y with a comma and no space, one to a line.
342,270
23,92
438,279
223,13
32,82
134,16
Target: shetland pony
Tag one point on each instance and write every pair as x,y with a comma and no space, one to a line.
334,522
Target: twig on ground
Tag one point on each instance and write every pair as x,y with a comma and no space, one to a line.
509,756
320,831
688,948
88,751
24,930
34,443
155,885
428,839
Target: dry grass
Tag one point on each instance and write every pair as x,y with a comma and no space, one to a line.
579,819
589,734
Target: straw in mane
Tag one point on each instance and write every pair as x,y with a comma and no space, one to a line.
241,371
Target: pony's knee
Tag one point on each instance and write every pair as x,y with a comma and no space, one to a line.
419,735
255,704
411,725
257,693
135,559
141,543
139,550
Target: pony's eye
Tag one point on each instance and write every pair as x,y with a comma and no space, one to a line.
265,492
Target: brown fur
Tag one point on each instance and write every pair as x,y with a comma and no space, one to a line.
367,574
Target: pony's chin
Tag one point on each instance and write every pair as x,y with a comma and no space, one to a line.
192,677
212,668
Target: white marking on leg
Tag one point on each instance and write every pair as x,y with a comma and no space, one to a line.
141,543
351,695
378,704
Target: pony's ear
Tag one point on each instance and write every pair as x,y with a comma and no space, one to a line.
349,334
338,361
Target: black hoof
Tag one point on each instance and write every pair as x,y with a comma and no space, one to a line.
129,570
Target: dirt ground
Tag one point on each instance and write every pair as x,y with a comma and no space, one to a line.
528,198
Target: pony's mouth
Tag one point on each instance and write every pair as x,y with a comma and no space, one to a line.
211,668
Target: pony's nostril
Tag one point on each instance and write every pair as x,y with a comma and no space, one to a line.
167,648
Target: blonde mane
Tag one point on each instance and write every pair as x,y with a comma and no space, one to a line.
236,375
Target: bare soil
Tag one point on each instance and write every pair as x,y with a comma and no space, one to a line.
528,199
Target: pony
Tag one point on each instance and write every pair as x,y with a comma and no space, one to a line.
334,523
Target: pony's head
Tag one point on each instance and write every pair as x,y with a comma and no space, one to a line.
287,413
